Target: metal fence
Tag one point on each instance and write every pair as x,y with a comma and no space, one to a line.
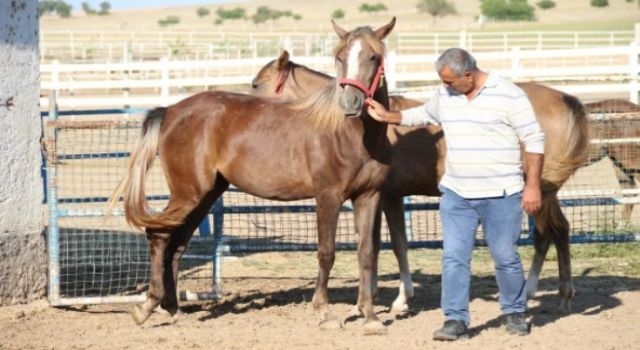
94,260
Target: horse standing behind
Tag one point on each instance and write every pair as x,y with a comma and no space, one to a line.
418,164
324,147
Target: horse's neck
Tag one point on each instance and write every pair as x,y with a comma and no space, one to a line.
375,132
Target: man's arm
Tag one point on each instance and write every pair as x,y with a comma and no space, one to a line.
532,196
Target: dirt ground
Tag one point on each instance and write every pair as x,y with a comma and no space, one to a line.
266,308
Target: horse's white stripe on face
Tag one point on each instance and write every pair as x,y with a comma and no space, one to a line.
352,61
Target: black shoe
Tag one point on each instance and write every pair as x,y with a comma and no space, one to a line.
516,323
452,330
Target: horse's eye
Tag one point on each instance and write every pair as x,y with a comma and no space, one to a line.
373,58
254,85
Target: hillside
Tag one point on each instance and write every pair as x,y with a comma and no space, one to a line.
567,15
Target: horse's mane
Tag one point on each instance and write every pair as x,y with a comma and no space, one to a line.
322,108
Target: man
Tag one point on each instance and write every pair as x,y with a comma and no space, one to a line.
484,119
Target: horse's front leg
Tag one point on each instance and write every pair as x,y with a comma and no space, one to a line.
158,243
366,209
327,212
394,212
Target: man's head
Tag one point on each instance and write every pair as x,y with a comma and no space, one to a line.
457,69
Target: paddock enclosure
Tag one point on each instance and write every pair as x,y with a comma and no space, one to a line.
94,259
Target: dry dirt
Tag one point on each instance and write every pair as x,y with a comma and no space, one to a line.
266,308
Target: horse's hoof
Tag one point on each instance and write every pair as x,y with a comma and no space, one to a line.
330,324
139,314
355,312
176,316
565,306
399,306
374,327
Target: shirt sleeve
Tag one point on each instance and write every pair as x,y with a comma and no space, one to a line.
422,115
524,123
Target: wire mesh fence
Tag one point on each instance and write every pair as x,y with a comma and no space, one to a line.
98,259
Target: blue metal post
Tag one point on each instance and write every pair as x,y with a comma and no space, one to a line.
218,224
54,246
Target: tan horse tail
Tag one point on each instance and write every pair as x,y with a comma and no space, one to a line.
573,149
132,186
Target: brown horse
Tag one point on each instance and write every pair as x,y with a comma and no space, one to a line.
418,164
325,147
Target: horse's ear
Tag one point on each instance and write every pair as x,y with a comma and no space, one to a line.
283,60
383,31
341,32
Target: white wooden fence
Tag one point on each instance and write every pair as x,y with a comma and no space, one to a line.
612,69
115,46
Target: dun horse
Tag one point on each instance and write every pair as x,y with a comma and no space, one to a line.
325,147
418,164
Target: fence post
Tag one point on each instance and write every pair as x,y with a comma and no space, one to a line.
462,40
391,63
53,233
515,62
634,67
164,81
218,249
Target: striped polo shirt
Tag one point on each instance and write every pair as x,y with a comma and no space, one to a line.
483,136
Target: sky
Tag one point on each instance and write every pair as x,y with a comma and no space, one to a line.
127,4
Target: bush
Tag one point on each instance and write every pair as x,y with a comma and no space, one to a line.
203,12
170,20
338,14
513,10
599,3
546,4
372,8
236,13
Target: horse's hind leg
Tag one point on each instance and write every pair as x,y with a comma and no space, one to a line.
394,212
164,245
552,225
541,246
178,245
327,212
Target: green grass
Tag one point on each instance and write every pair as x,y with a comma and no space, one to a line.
613,259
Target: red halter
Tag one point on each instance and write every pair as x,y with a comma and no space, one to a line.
377,81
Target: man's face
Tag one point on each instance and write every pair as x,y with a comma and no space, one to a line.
462,84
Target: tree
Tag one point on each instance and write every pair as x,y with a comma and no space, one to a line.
203,12
58,6
437,8
87,9
105,7
338,14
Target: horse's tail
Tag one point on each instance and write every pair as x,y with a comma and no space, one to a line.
132,187
573,149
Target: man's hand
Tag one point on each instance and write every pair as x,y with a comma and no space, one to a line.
531,199
379,113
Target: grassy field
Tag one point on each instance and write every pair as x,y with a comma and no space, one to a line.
315,17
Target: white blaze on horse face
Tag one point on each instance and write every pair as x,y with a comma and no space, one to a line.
352,61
